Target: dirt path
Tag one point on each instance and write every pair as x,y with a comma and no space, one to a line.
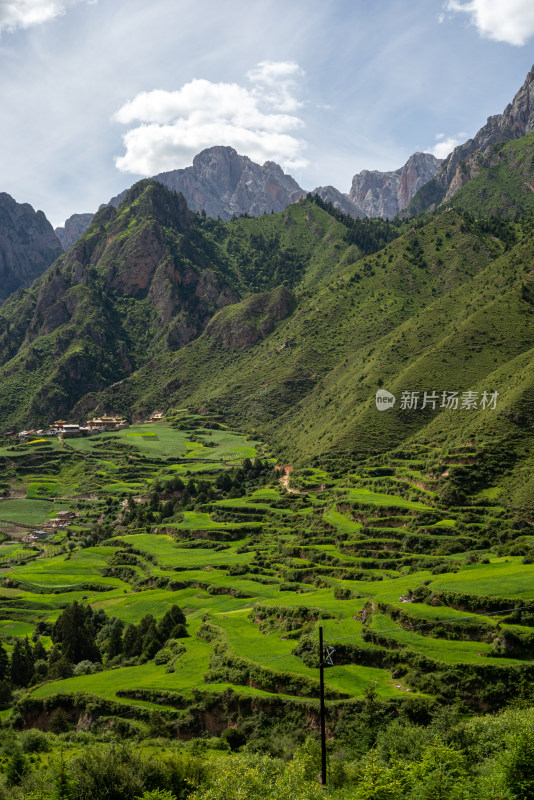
284,480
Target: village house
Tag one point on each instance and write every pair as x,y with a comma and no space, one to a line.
106,423
25,436
157,416
62,519
72,430
35,536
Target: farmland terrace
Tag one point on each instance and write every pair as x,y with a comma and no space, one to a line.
425,601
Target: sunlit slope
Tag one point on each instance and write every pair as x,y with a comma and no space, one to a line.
443,308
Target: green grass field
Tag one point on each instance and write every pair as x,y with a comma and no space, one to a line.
29,511
289,553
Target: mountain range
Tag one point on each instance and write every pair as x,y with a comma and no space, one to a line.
223,184
516,121
287,323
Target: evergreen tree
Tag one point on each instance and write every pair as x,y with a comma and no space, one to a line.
75,631
224,482
173,617
151,641
21,663
4,663
132,642
17,768
6,693
114,647
39,653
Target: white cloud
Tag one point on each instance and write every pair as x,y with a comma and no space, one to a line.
276,83
445,144
175,126
25,13
510,21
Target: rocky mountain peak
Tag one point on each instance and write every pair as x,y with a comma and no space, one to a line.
74,227
382,194
385,194
28,245
516,121
223,183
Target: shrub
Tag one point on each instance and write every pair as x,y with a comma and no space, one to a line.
85,668
34,741
518,773
234,738
17,768
113,774
59,722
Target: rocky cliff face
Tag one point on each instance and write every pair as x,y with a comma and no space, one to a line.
244,324
223,183
516,121
74,227
382,194
28,245
385,194
340,201
141,280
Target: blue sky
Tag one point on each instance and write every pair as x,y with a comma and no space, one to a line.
325,88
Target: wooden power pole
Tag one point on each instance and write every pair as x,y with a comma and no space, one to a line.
323,720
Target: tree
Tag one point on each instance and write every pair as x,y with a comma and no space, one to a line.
21,663
38,651
63,784
60,668
224,482
157,725
4,663
151,641
59,722
114,647
132,642
234,738
6,693
17,768
173,617
518,773
75,631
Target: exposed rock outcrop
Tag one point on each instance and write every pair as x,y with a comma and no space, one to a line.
382,194
75,226
28,245
516,121
223,183
385,194
254,318
340,201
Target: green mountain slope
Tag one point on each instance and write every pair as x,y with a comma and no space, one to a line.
500,182
440,308
282,324
146,279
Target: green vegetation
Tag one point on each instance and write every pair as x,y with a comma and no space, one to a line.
175,606
500,181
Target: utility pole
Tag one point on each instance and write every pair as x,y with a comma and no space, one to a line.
323,721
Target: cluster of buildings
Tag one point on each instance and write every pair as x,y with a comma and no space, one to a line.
68,430
60,523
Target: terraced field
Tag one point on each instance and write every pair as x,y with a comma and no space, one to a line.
420,598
